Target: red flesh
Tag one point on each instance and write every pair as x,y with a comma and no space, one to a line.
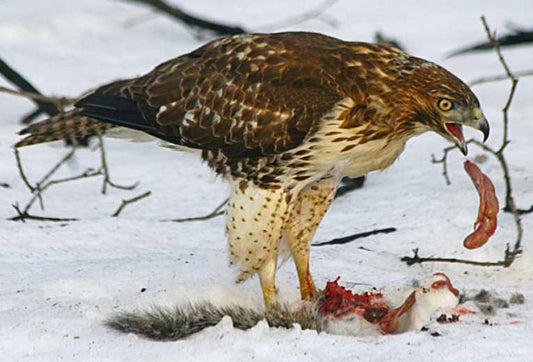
486,221
339,302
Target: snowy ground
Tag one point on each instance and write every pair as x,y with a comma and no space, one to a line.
59,281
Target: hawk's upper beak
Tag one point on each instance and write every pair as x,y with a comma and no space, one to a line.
456,131
483,126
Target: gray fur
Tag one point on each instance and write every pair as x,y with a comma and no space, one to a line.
182,321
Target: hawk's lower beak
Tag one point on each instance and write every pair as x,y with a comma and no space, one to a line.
456,131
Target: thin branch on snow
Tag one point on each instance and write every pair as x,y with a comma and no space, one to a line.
23,84
38,188
105,171
315,13
191,20
59,102
21,171
350,238
508,259
194,23
510,206
24,215
216,212
42,185
500,77
130,201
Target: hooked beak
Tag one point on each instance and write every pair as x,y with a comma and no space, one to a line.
456,130
483,126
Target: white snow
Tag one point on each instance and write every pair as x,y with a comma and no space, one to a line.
59,281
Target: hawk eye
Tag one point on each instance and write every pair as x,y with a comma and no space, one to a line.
445,104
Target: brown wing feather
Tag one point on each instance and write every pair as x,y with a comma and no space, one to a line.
248,95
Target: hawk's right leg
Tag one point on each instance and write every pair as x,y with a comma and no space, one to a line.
255,220
309,209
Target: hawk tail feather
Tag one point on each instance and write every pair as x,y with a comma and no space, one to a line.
105,108
70,126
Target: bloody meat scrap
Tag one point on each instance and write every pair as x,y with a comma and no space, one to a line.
486,221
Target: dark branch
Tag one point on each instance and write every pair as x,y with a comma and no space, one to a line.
349,238
43,184
216,212
57,101
518,37
509,257
21,171
130,201
24,215
105,171
499,77
308,15
24,85
190,20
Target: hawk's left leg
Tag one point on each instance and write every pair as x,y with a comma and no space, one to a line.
310,206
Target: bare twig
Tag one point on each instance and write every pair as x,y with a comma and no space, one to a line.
23,84
24,215
21,171
216,212
42,187
38,188
43,184
499,77
517,37
349,238
508,259
105,171
130,201
308,15
136,20
444,162
190,20
59,102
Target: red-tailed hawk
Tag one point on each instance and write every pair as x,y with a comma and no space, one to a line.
283,117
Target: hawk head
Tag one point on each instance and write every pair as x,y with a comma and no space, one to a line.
443,103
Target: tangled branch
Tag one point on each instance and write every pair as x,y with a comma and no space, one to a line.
130,201
216,212
45,182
